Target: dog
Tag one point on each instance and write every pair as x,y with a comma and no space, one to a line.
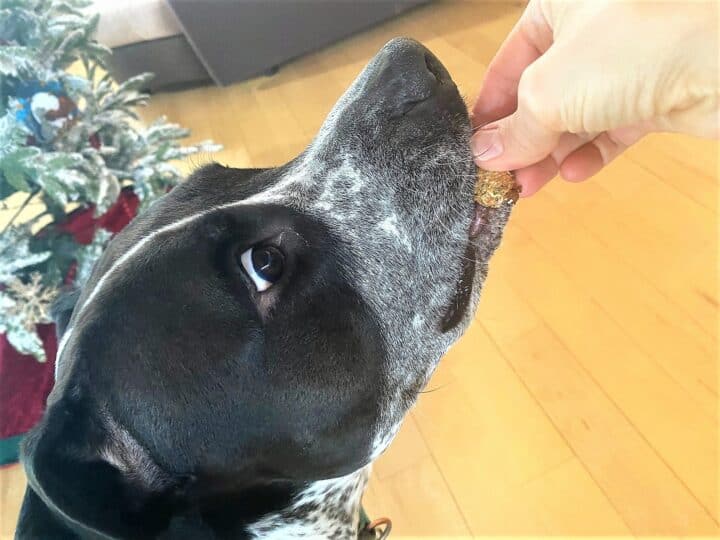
246,347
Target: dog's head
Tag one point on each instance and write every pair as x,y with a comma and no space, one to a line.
274,324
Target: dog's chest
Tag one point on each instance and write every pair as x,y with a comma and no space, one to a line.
325,509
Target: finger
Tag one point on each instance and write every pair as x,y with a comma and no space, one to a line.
568,143
583,163
532,178
513,142
530,133
529,38
590,158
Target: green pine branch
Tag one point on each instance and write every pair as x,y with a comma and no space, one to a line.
83,155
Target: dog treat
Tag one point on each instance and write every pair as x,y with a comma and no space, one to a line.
495,188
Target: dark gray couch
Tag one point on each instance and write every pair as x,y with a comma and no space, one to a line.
226,41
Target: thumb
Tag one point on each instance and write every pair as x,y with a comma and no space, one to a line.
532,132
513,142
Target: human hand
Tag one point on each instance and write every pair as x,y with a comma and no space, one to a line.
576,83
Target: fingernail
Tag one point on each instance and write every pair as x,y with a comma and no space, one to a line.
486,145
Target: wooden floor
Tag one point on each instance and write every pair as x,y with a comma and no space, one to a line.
583,400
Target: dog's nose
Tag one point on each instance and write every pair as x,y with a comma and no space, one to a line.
409,75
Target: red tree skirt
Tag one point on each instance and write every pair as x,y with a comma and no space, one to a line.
24,386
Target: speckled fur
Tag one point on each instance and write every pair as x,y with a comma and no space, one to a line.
326,509
425,236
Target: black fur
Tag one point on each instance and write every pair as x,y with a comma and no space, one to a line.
62,310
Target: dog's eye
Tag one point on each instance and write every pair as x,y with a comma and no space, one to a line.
264,265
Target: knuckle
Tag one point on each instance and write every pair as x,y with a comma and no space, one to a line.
538,98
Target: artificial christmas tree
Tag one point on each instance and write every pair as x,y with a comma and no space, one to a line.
73,142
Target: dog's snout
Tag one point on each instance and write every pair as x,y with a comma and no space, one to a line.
410,75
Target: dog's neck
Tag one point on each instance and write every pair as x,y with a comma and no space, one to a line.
323,509
320,509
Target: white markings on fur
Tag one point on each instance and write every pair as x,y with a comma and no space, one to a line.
123,452
339,186
325,509
383,439
389,225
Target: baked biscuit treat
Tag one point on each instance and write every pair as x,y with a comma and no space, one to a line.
495,188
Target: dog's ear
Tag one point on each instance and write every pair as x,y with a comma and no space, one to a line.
62,309
90,478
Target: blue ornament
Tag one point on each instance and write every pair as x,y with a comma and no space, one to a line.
23,114
26,89
44,108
